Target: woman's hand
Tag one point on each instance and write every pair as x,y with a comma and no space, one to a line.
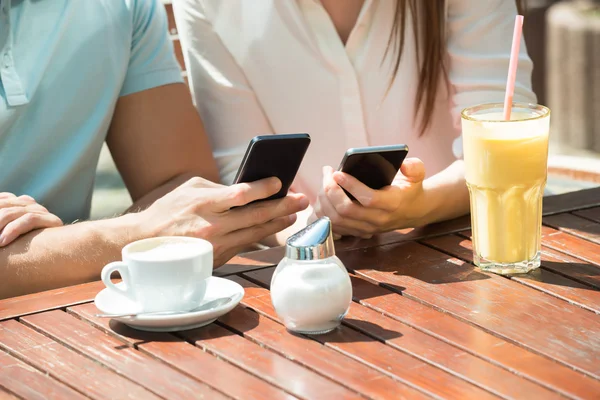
20,215
397,206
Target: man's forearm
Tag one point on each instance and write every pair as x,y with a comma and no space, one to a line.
446,194
67,255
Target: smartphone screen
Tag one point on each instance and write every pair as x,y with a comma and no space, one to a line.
376,167
274,155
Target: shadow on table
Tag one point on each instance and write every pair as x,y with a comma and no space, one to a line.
434,272
577,275
575,225
370,328
139,337
347,333
435,276
400,263
250,261
214,330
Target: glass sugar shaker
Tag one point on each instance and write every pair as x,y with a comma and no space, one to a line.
311,290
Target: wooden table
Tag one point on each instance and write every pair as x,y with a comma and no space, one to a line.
424,324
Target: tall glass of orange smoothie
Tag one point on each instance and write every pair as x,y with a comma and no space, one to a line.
506,169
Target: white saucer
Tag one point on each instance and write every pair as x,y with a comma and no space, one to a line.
109,302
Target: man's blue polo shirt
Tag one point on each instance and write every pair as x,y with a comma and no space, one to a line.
63,66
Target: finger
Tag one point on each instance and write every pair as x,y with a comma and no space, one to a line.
348,209
37,208
233,242
9,214
412,170
320,212
260,213
6,195
341,225
329,185
243,193
362,193
27,223
16,201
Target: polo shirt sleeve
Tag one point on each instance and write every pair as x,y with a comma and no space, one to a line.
152,62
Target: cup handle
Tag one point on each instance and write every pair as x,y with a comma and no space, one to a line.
123,270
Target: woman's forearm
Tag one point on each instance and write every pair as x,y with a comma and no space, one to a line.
445,195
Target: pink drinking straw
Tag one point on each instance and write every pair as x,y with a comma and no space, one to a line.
512,67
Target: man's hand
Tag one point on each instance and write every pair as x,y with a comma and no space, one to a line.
19,215
397,206
204,209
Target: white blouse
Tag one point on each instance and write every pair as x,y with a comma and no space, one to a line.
279,66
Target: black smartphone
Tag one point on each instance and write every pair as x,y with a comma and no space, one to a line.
274,155
374,166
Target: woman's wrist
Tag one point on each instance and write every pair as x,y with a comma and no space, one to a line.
412,215
444,196
432,202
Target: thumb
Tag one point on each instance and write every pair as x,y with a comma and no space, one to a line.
413,170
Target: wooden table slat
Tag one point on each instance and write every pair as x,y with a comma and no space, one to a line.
542,279
473,340
432,350
560,262
250,261
113,354
424,323
571,267
405,235
27,382
72,295
363,348
49,300
267,258
575,225
67,366
230,349
347,371
572,201
571,245
508,309
592,214
272,366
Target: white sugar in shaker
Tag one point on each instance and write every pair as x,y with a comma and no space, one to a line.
311,289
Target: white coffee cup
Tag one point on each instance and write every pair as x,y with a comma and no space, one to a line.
163,273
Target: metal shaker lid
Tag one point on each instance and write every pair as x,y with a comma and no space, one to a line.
315,242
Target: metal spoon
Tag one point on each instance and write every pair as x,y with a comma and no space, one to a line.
206,306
